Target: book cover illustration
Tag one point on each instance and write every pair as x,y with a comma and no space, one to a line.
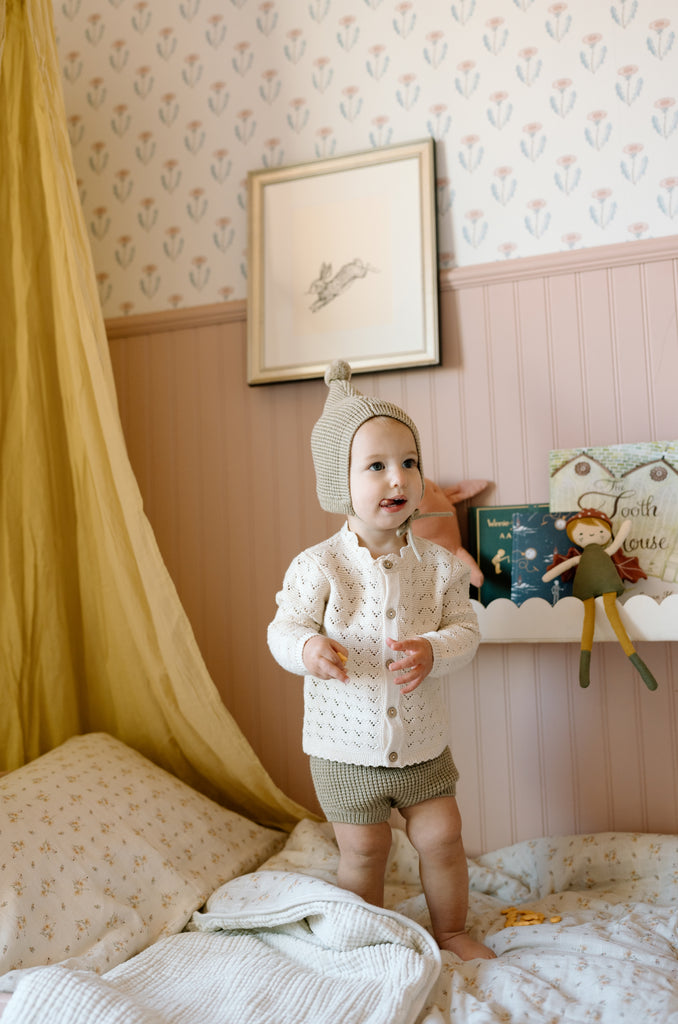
491,544
538,534
627,481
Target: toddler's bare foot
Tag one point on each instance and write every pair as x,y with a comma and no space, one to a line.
467,948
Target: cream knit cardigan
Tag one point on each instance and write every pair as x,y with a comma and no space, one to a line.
338,589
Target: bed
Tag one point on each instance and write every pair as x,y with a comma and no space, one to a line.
128,898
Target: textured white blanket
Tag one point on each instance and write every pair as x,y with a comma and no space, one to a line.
271,948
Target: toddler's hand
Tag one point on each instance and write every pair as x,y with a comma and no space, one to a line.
325,658
415,666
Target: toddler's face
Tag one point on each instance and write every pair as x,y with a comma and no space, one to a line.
384,477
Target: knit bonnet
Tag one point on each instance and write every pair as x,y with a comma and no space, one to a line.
345,410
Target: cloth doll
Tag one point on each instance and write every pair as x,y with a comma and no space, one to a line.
599,566
439,521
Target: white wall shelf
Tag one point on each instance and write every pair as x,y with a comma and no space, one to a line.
538,622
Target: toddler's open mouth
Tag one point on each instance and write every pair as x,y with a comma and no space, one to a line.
392,502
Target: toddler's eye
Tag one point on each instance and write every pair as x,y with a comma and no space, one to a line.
410,463
376,466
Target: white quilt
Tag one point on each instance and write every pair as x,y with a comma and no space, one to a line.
285,945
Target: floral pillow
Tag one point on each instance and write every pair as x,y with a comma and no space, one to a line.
102,853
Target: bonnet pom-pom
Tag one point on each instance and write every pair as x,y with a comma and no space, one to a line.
338,370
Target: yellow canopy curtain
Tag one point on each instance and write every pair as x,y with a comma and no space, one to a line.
92,634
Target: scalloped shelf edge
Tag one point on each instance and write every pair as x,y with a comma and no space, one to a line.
538,622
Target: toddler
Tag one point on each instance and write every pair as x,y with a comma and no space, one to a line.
375,622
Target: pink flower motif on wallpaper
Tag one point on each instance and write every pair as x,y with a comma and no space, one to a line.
381,132
462,11
495,38
125,251
352,103
597,134
438,125
99,157
668,199
322,74
224,234
194,137
218,98
216,31
171,176
122,185
471,155
529,68
121,119
538,219
243,59
666,121
466,82
104,286
565,97
167,43
200,274
474,232
639,228
95,29
169,108
504,187
75,129
270,89
150,282
348,33
558,24
297,118
220,166
408,93
100,222
533,146
295,48
602,211
629,89
267,19
634,166
148,214
571,239
191,73
405,19
378,61
661,42
435,50
96,93
567,176
319,9
174,243
594,53
145,148
246,126
141,18
197,204
500,110
143,81
507,249
326,143
72,69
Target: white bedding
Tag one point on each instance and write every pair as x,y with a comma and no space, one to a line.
279,946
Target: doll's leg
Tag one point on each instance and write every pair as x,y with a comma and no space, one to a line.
587,641
612,612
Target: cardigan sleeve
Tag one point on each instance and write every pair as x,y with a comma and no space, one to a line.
301,610
456,640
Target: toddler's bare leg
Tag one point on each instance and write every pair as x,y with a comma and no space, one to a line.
434,829
363,852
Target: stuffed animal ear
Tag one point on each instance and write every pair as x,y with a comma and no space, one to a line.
465,489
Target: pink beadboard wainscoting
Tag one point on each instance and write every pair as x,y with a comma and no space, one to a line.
574,349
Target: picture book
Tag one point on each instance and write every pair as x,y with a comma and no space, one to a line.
538,534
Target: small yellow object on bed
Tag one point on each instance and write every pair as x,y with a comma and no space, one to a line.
516,918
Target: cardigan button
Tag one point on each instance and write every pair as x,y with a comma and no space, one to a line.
391,613
393,756
388,564
392,712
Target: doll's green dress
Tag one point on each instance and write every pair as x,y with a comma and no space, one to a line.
596,574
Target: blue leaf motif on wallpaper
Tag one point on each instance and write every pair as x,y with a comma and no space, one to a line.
145,148
95,29
326,144
503,189
200,274
538,219
246,127
122,119
352,103
123,185
169,109
148,215
348,33
474,232
623,13
407,20
197,205
100,223
171,176
167,44
297,119
141,18
603,212
173,244
529,69
143,82
635,166
533,146
495,39
471,156
378,63
216,31
463,10
273,155
72,69
150,282
295,49
224,235
99,158
270,90
499,114
567,176
562,103
466,82
243,60
125,251
668,200
194,138
96,94
267,19
594,55
218,98
436,51
598,135
630,88
319,9
382,133
439,124
220,167
188,9
76,129
558,25
70,8
119,55
191,73
666,121
408,94
322,74
661,43
523,5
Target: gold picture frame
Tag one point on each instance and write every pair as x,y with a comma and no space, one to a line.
342,264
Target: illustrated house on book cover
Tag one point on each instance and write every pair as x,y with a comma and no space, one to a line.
628,481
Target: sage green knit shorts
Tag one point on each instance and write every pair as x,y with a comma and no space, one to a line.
360,794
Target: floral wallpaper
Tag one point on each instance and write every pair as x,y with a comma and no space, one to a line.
556,124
